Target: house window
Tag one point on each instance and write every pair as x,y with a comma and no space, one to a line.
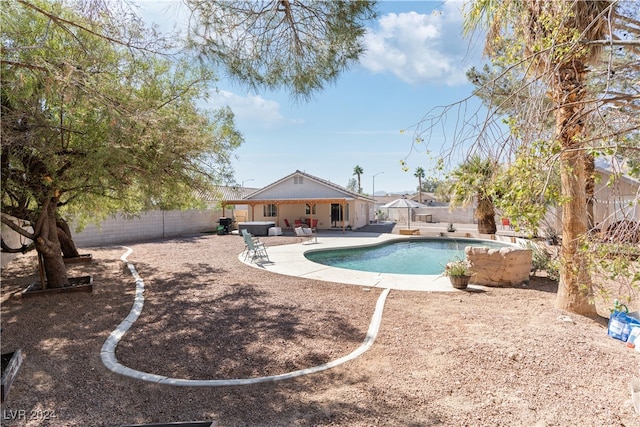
269,211
297,180
309,210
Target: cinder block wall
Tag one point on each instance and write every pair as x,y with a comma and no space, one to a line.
148,226
442,214
13,240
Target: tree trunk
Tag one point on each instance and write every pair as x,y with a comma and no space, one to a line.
487,225
575,287
67,244
486,216
48,246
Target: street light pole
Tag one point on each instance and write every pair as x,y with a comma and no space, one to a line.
242,187
373,194
242,197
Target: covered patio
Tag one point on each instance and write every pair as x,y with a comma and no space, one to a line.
339,217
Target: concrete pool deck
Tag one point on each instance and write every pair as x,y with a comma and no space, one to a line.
290,260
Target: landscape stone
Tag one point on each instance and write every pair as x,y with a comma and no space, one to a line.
499,267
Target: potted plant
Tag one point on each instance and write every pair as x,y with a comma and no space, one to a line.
458,273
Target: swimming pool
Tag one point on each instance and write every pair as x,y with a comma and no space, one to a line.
413,256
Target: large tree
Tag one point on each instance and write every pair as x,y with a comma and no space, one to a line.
612,116
526,154
298,45
473,182
358,171
95,122
554,40
99,122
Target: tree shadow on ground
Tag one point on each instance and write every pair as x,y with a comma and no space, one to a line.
541,284
211,330
242,329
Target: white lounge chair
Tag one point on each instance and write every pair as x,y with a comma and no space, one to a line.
306,233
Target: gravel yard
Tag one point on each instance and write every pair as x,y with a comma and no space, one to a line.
504,357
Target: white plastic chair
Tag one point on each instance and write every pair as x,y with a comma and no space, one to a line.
306,233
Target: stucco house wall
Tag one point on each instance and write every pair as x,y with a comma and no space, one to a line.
291,212
616,202
298,186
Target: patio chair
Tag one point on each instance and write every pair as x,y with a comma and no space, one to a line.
245,236
248,236
287,225
254,248
306,233
506,223
299,223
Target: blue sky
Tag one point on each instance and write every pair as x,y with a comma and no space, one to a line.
416,60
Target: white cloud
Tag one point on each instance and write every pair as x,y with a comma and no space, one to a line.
420,48
251,110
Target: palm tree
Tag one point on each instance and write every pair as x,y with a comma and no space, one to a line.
472,183
357,170
419,173
553,36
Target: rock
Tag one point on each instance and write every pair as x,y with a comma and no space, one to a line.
499,267
565,319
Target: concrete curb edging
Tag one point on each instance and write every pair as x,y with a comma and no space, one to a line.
107,353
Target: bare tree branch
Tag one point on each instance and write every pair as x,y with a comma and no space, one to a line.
15,227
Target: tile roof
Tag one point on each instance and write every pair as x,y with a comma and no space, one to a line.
320,180
223,192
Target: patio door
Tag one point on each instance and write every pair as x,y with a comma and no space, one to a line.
338,214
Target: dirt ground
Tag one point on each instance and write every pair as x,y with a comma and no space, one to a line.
503,357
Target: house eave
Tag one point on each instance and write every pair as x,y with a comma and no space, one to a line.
309,201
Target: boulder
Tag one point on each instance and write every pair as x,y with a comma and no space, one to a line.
499,267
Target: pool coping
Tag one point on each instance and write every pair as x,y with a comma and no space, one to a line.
289,260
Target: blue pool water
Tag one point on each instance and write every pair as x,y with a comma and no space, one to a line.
415,256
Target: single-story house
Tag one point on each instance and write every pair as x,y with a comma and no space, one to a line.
301,196
616,195
616,192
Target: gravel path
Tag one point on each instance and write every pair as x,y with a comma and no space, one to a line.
501,357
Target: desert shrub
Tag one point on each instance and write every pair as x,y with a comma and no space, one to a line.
544,260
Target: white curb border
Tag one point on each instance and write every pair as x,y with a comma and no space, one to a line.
108,356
